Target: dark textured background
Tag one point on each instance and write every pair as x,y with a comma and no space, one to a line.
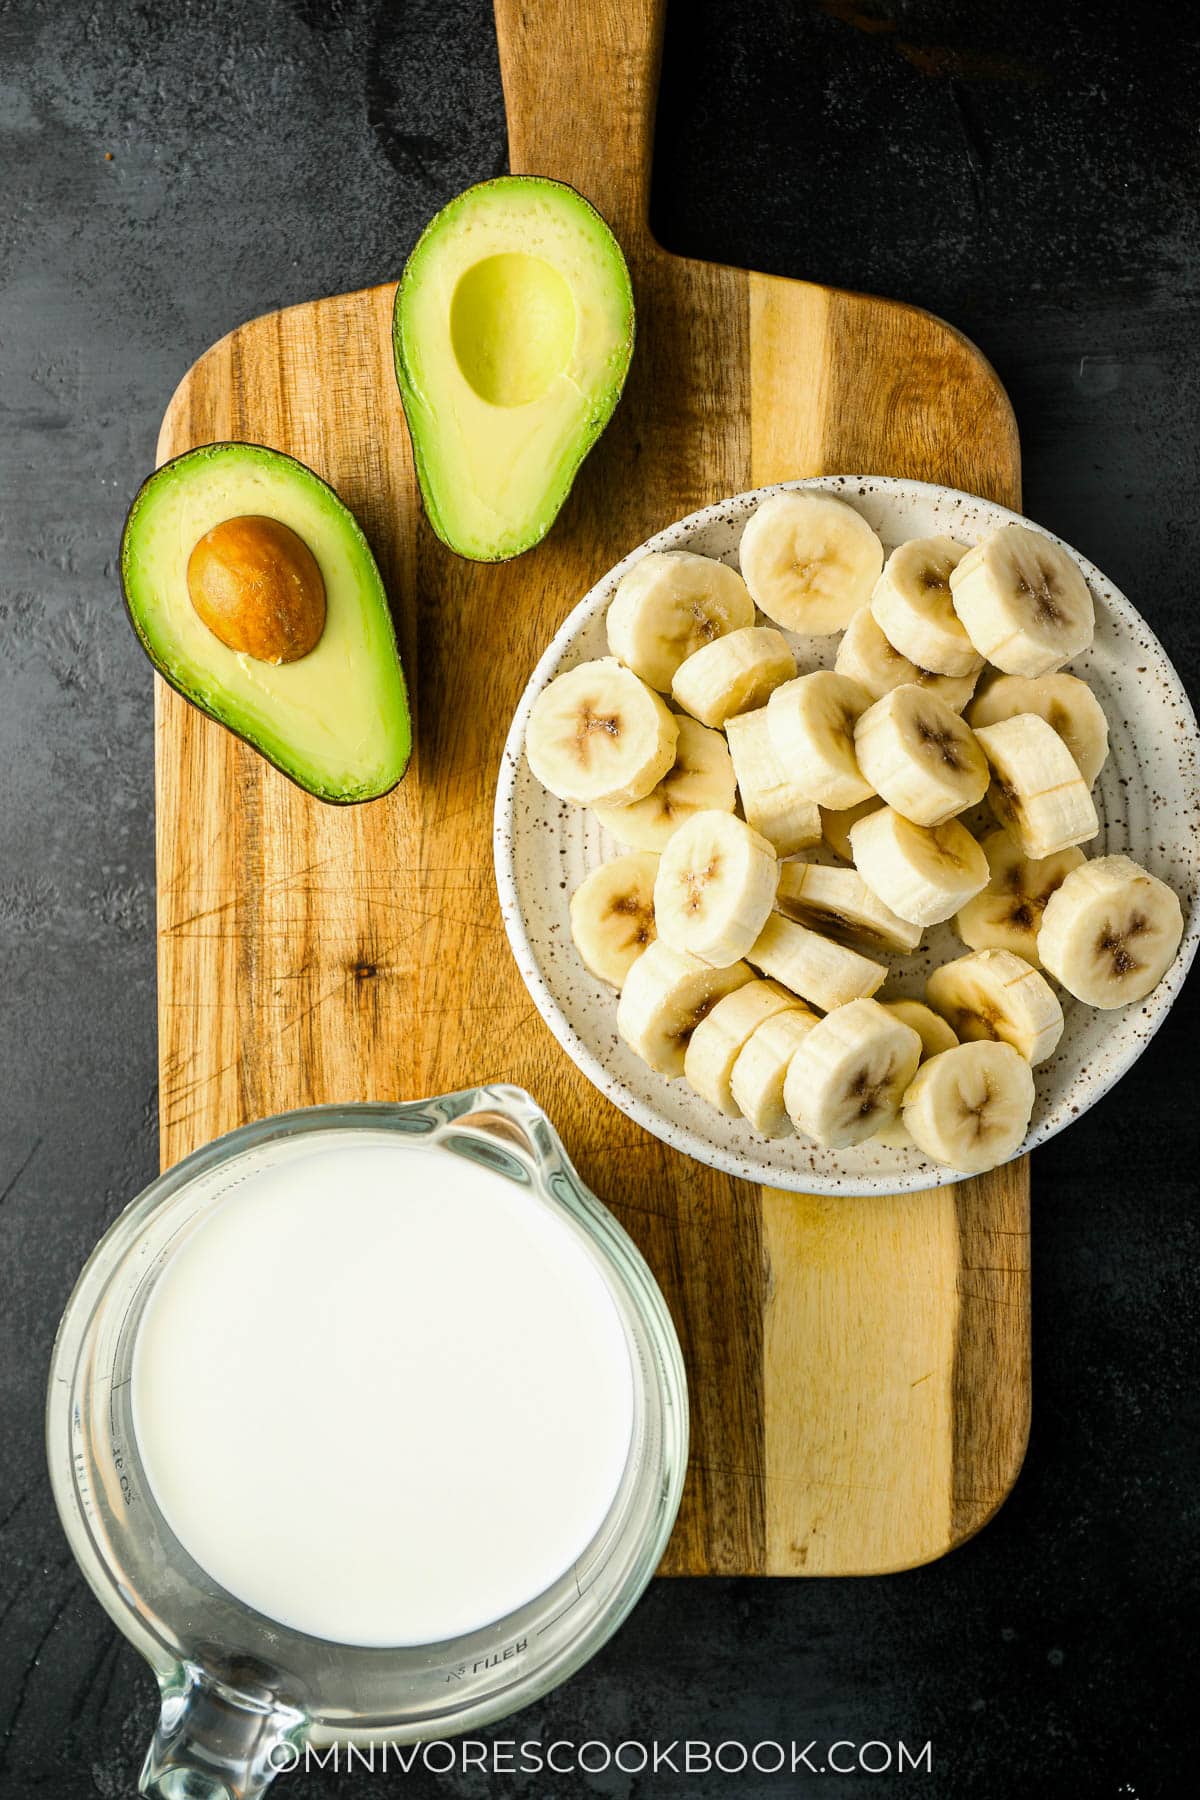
1029,172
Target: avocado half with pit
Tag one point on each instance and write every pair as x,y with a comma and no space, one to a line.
255,595
513,331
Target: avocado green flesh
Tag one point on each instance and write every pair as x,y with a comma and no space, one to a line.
336,721
513,333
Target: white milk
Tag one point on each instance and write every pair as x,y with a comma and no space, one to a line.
382,1394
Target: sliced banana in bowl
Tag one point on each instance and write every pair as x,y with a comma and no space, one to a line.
1067,704
1007,913
836,825
809,559
813,966
669,605
1007,891
719,1039
1037,792
850,1074
996,994
734,674
757,1078
700,779
599,736
771,799
812,722
913,608
612,915
916,753
969,1108
715,888
1110,932
839,903
1023,600
930,1027
866,656
666,995
935,1036
923,873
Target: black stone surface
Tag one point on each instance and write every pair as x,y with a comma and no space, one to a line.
1030,172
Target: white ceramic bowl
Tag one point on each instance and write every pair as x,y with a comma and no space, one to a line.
1148,798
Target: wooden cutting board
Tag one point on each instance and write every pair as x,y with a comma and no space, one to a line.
859,1369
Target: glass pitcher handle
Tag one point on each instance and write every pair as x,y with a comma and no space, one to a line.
216,1742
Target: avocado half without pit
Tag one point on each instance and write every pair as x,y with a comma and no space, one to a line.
255,595
513,331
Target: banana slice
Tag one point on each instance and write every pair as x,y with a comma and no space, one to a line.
970,1107
810,561
839,903
822,972
911,605
812,721
670,605
837,826
1023,601
924,874
715,887
1037,792
1067,704
771,801
849,1074
922,758
699,780
598,736
933,1031
1110,932
666,995
612,915
760,1071
734,674
865,655
994,994
1007,915
717,1041
935,1036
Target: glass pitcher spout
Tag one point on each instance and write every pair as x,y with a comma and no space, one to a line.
215,1741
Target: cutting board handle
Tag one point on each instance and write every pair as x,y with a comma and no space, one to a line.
580,82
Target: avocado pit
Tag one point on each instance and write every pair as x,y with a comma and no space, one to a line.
258,587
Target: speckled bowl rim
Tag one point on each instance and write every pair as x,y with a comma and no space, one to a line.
1155,1008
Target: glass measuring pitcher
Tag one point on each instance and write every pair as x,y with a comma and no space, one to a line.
242,1693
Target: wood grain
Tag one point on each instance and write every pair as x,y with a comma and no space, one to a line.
859,1370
